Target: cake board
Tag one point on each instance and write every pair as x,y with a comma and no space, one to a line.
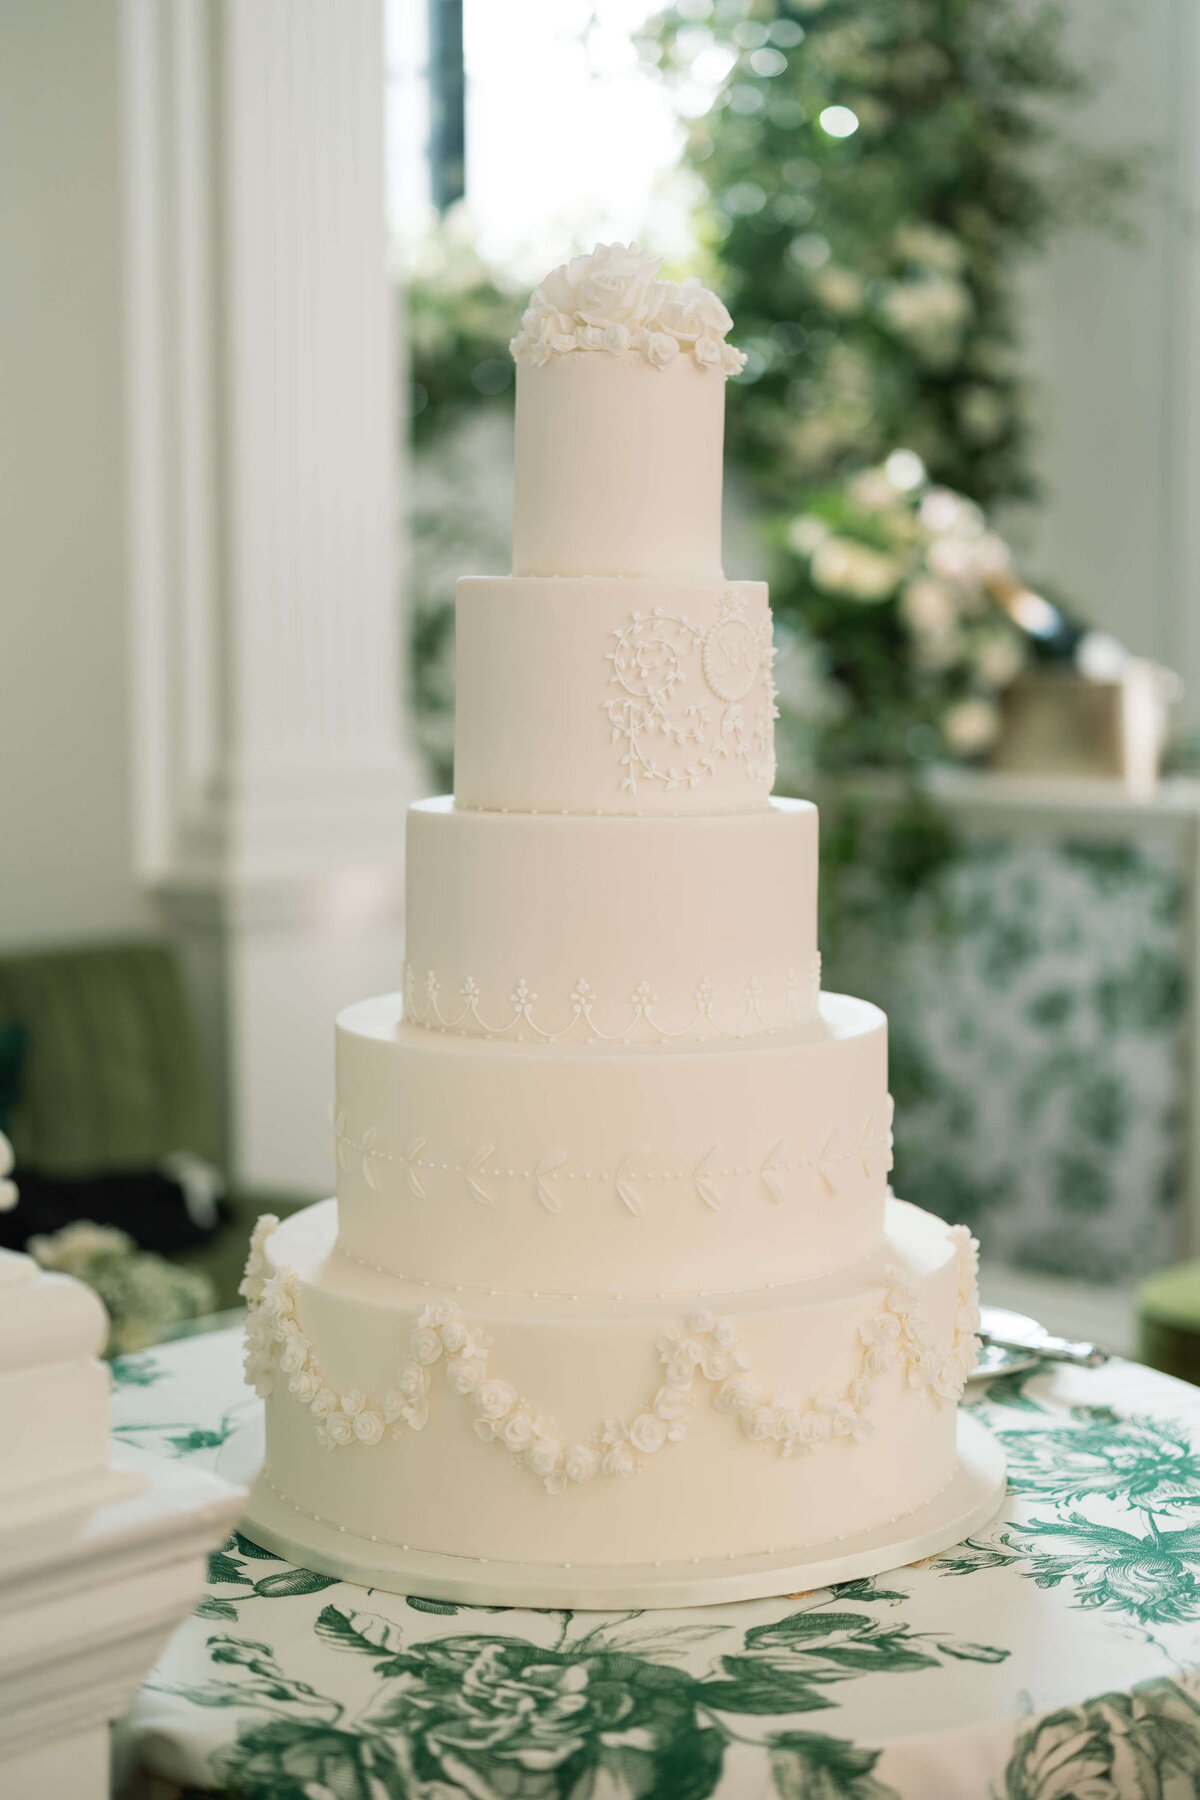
970,1500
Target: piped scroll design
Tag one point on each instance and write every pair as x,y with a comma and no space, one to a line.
759,1009
661,666
865,1146
701,1348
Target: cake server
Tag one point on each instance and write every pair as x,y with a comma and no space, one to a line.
1016,1331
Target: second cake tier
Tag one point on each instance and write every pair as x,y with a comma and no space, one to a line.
524,1169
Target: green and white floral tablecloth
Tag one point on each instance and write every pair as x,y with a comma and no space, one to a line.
1052,1657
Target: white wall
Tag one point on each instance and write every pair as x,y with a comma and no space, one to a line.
201,730
66,862
1114,340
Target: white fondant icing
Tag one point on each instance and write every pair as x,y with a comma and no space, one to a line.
584,695
714,1166
535,928
701,1345
440,1488
617,468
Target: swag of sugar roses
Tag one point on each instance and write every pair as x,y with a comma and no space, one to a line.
613,301
701,1346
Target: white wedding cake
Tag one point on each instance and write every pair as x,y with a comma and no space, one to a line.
613,1278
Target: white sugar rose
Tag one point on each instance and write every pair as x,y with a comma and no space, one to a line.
425,1346
615,285
544,1455
618,1460
581,1463
843,1420
689,311
661,349
590,337
812,1430
368,1426
413,1381
495,1399
454,1334
708,352
340,1427
353,1402
325,1402
670,1403
948,1379
440,1313
277,1299
647,1433
737,1395
517,1431
465,1373
416,1414
294,1356
261,1378
717,1364
758,1423
304,1384
557,293
615,339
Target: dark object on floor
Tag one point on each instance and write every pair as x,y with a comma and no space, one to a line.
147,1204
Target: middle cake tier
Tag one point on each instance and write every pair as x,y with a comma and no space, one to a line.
535,928
525,1169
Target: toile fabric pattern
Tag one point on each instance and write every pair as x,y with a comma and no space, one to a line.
1051,1657
1037,1012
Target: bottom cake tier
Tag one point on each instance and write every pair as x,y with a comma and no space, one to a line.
610,1432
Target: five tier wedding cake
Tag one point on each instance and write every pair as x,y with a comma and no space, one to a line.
613,1278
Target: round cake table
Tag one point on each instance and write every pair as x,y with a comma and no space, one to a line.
1053,1656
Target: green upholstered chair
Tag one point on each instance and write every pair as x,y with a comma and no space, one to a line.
114,1077
1168,1307
114,1074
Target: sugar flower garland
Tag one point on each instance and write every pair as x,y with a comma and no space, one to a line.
613,301
894,1337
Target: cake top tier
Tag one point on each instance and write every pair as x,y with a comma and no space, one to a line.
613,302
620,422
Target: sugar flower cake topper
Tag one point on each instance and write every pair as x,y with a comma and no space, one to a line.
613,301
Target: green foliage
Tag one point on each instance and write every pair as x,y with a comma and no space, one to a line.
872,278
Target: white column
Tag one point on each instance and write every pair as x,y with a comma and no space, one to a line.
266,646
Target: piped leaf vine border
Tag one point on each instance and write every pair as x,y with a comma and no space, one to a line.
869,1145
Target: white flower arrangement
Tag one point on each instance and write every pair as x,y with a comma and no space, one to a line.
612,302
143,1294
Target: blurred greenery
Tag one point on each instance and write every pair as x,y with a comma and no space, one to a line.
873,280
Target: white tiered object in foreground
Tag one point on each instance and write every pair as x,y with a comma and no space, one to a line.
613,1283
101,1555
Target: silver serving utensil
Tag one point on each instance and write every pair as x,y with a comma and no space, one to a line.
1016,1331
995,1359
